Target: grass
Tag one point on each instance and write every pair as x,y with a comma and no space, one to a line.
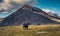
34,30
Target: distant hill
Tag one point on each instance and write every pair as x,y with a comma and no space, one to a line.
28,14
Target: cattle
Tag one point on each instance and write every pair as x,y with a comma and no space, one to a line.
25,26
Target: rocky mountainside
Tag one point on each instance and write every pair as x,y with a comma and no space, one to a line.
28,14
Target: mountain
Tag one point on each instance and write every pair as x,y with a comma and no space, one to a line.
28,14
54,15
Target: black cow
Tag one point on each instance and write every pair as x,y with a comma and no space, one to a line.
25,26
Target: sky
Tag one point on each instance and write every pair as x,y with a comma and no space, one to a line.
7,7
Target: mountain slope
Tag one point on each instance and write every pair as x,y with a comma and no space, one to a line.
29,14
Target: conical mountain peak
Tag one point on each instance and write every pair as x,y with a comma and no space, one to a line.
29,14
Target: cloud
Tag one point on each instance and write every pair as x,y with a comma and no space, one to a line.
48,11
5,12
3,6
20,1
9,4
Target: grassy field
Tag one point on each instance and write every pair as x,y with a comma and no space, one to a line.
34,30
